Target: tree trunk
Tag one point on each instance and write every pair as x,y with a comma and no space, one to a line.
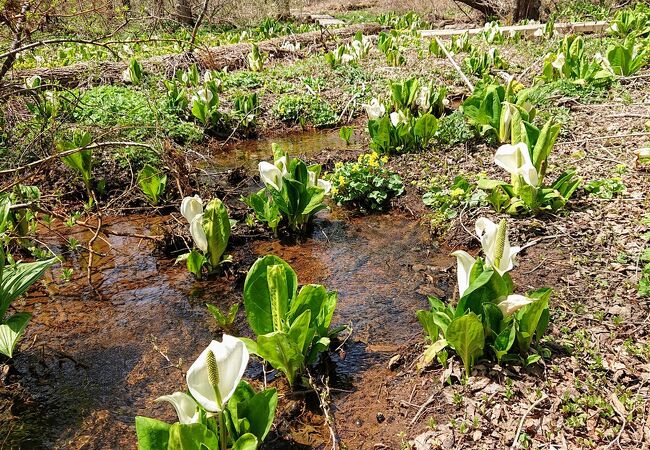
184,12
482,6
526,9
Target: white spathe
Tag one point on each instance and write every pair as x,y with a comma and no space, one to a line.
270,175
323,184
185,406
374,109
191,207
231,356
559,61
516,160
487,232
513,303
126,75
398,117
465,263
423,99
198,233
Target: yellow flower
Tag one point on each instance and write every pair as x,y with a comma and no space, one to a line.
384,159
334,191
457,192
341,180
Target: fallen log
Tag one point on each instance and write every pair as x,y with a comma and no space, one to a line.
231,56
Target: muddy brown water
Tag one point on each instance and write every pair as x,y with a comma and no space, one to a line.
88,365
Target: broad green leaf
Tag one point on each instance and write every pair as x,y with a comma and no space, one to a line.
486,286
431,330
424,129
254,410
503,342
529,317
152,183
300,333
195,436
195,262
431,352
17,278
246,442
278,349
152,434
257,301
11,331
216,225
465,335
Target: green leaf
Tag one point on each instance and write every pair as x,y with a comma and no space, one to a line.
503,342
257,300
314,298
152,183
465,335
529,317
11,331
194,436
486,286
217,230
152,434
282,353
17,278
252,412
195,262
431,352
246,442
424,129
300,333
431,330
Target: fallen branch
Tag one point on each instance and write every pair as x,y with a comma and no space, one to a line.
75,150
456,66
232,56
515,443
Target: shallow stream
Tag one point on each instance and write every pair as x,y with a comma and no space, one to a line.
94,359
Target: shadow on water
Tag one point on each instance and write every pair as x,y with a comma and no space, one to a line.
89,365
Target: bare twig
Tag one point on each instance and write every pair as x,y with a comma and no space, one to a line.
515,443
453,63
323,399
75,150
197,24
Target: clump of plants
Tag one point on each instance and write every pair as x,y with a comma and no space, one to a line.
293,192
152,182
489,320
292,327
631,22
210,231
626,58
366,184
480,62
388,44
220,412
527,162
492,109
446,199
413,121
304,109
570,62
357,49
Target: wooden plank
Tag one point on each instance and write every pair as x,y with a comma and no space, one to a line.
575,27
